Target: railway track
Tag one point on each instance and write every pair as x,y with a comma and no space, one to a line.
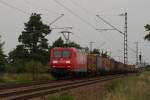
40,89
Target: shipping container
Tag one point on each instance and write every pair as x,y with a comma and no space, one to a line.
91,63
121,67
131,68
112,65
106,64
98,64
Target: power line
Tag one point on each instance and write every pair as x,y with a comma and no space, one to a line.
13,7
76,4
132,49
39,7
81,17
114,28
56,19
76,15
87,11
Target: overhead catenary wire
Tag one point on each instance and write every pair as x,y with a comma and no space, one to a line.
109,24
20,9
87,11
84,9
35,5
76,15
123,33
132,49
13,7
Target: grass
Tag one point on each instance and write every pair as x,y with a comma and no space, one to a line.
22,77
63,96
131,88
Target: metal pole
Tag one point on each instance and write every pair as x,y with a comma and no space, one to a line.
91,44
125,41
124,34
137,53
140,58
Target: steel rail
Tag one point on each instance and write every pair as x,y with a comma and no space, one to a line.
40,91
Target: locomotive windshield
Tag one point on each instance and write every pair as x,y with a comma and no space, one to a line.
57,54
64,53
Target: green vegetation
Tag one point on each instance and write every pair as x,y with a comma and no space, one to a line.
32,54
2,56
33,43
95,51
147,36
60,43
30,59
62,96
131,88
32,70
147,68
22,77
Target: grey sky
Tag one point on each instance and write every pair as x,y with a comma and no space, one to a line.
12,22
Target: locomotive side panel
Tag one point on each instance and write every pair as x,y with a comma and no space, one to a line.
80,62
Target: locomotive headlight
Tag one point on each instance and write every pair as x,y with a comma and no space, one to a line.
67,62
55,62
68,66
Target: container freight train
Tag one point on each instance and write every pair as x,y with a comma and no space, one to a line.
72,61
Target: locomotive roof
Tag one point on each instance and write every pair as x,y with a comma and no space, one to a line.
71,48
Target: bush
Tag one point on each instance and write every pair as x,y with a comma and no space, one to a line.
147,68
17,67
35,68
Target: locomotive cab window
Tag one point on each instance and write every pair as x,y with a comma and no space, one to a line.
66,54
57,54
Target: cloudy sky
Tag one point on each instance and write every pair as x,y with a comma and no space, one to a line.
81,15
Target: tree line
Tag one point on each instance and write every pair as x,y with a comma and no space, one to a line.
33,49
32,53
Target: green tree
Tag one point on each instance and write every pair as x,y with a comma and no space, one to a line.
105,55
17,54
17,59
147,28
33,42
73,44
2,56
58,43
95,51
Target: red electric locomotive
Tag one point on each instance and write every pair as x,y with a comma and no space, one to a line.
67,60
